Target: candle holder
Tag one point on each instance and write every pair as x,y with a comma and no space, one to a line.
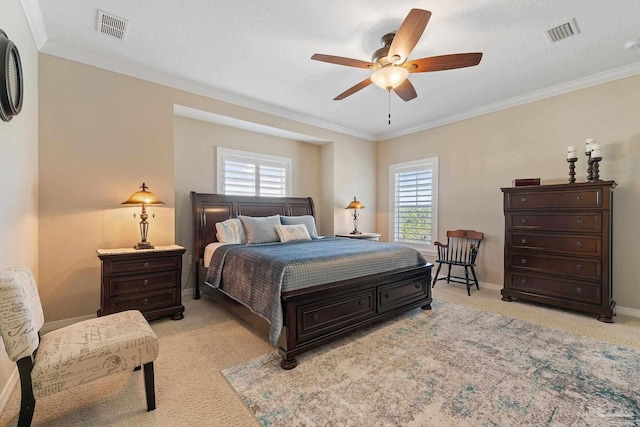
572,170
595,169
589,166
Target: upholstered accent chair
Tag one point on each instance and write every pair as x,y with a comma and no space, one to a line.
73,355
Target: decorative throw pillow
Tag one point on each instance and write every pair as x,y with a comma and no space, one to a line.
260,229
230,231
308,220
290,233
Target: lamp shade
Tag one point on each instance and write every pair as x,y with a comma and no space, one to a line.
355,204
390,76
143,196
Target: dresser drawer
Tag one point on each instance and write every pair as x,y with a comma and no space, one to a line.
578,291
143,282
317,318
583,268
398,294
143,264
559,243
560,221
570,198
144,302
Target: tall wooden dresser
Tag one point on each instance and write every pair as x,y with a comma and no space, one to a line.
557,247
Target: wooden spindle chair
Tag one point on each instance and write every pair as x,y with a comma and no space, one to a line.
461,250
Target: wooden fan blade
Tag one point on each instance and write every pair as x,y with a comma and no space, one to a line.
406,91
408,35
342,61
366,82
444,62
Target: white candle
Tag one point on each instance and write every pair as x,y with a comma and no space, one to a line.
588,143
596,151
571,152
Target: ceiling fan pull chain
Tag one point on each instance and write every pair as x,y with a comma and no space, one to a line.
389,106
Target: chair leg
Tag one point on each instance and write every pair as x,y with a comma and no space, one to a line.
449,273
27,401
436,276
149,386
475,279
466,276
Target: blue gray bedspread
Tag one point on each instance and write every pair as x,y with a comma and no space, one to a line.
256,275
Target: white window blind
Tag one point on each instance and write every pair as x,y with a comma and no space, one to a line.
413,202
253,174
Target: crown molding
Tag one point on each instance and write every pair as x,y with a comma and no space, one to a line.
582,83
32,13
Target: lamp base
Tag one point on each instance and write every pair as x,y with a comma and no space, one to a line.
355,232
143,245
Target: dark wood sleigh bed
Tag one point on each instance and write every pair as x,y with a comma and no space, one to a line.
319,314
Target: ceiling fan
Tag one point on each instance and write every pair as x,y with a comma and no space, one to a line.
390,65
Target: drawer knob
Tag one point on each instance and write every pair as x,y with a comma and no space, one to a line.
580,244
579,221
579,197
523,200
579,290
523,220
580,267
315,317
360,302
523,260
523,281
524,241
145,301
386,295
146,264
145,282
417,285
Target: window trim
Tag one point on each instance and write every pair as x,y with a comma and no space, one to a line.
221,152
431,162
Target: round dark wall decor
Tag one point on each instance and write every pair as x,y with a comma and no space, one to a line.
11,83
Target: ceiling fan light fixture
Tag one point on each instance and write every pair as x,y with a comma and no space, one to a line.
389,77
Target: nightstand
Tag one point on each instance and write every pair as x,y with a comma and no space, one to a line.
148,280
363,236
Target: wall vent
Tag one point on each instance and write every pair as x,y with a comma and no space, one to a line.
563,31
112,25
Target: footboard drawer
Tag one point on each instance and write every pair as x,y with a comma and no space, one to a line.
317,318
401,293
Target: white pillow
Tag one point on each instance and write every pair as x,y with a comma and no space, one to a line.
290,233
230,231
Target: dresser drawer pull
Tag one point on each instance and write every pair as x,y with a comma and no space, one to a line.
524,241
386,295
315,317
417,286
145,282
579,290
523,260
523,281
523,220
580,267
145,301
579,197
523,200
360,303
579,221
580,244
146,264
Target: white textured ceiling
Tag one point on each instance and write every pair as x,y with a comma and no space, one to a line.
256,53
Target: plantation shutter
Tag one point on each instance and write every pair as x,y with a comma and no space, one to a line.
253,176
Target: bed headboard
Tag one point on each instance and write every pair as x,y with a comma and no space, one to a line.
211,208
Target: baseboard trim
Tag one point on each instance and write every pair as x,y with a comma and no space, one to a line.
8,388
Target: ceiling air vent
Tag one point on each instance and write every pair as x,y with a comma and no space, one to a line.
112,25
563,31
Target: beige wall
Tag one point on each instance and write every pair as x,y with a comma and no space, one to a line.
19,169
102,134
195,144
478,156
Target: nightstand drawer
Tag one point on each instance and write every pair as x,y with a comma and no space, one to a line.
145,264
144,282
144,302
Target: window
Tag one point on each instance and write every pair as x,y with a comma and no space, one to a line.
253,174
413,192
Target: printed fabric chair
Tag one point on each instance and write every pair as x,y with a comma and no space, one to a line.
461,250
73,355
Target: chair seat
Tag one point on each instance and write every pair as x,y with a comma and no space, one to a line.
85,351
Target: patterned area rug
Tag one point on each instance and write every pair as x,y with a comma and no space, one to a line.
453,365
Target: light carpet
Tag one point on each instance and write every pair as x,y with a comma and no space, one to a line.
453,365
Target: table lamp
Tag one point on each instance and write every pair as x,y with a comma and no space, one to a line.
143,198
355,205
